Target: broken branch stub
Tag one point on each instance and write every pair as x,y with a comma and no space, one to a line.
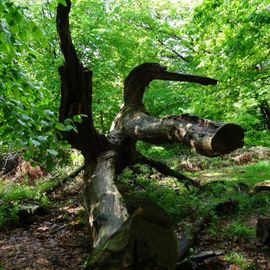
76,91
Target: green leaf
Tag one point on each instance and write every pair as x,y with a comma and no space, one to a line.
60,126
68,121
69,128
52,152
49,112
42,138
21,122
37,33
34,142
25,117
77,118
62,2
27,156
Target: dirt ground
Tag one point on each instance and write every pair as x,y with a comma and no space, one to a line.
60,240
57,240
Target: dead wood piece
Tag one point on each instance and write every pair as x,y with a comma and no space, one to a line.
9,162
207,137
141,76
263,186
76,91
61,182
263,230
190,235
145,241
194,262
189,238
27,213
226,207
166,170
204,255
107,210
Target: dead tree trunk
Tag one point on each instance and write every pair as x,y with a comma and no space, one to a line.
145,238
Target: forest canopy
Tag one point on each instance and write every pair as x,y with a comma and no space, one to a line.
112,37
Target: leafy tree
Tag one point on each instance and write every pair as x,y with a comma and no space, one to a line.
225,40
230,42
27,112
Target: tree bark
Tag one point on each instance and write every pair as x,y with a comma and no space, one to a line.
207,137
107,210
145,239
76,92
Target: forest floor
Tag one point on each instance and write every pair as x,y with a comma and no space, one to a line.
59,237
54,240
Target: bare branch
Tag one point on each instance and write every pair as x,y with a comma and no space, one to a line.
140,77
166,170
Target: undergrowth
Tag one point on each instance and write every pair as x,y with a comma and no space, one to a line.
13,195
185,206
141,184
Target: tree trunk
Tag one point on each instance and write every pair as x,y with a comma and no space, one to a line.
107,210
209,138
145,239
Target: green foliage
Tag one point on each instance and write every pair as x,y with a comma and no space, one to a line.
12,196
227,40
169,194
161,151
230,42
184,205
237,259
241,231
27,116
8,214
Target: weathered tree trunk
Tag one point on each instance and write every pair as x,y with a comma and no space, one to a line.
207,137
107,209
145,239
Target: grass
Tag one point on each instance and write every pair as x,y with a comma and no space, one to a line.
12,196
186,206
238,259
15,194
149,185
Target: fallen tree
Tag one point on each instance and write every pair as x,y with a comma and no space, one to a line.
144,239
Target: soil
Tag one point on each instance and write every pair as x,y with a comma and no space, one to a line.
57,240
